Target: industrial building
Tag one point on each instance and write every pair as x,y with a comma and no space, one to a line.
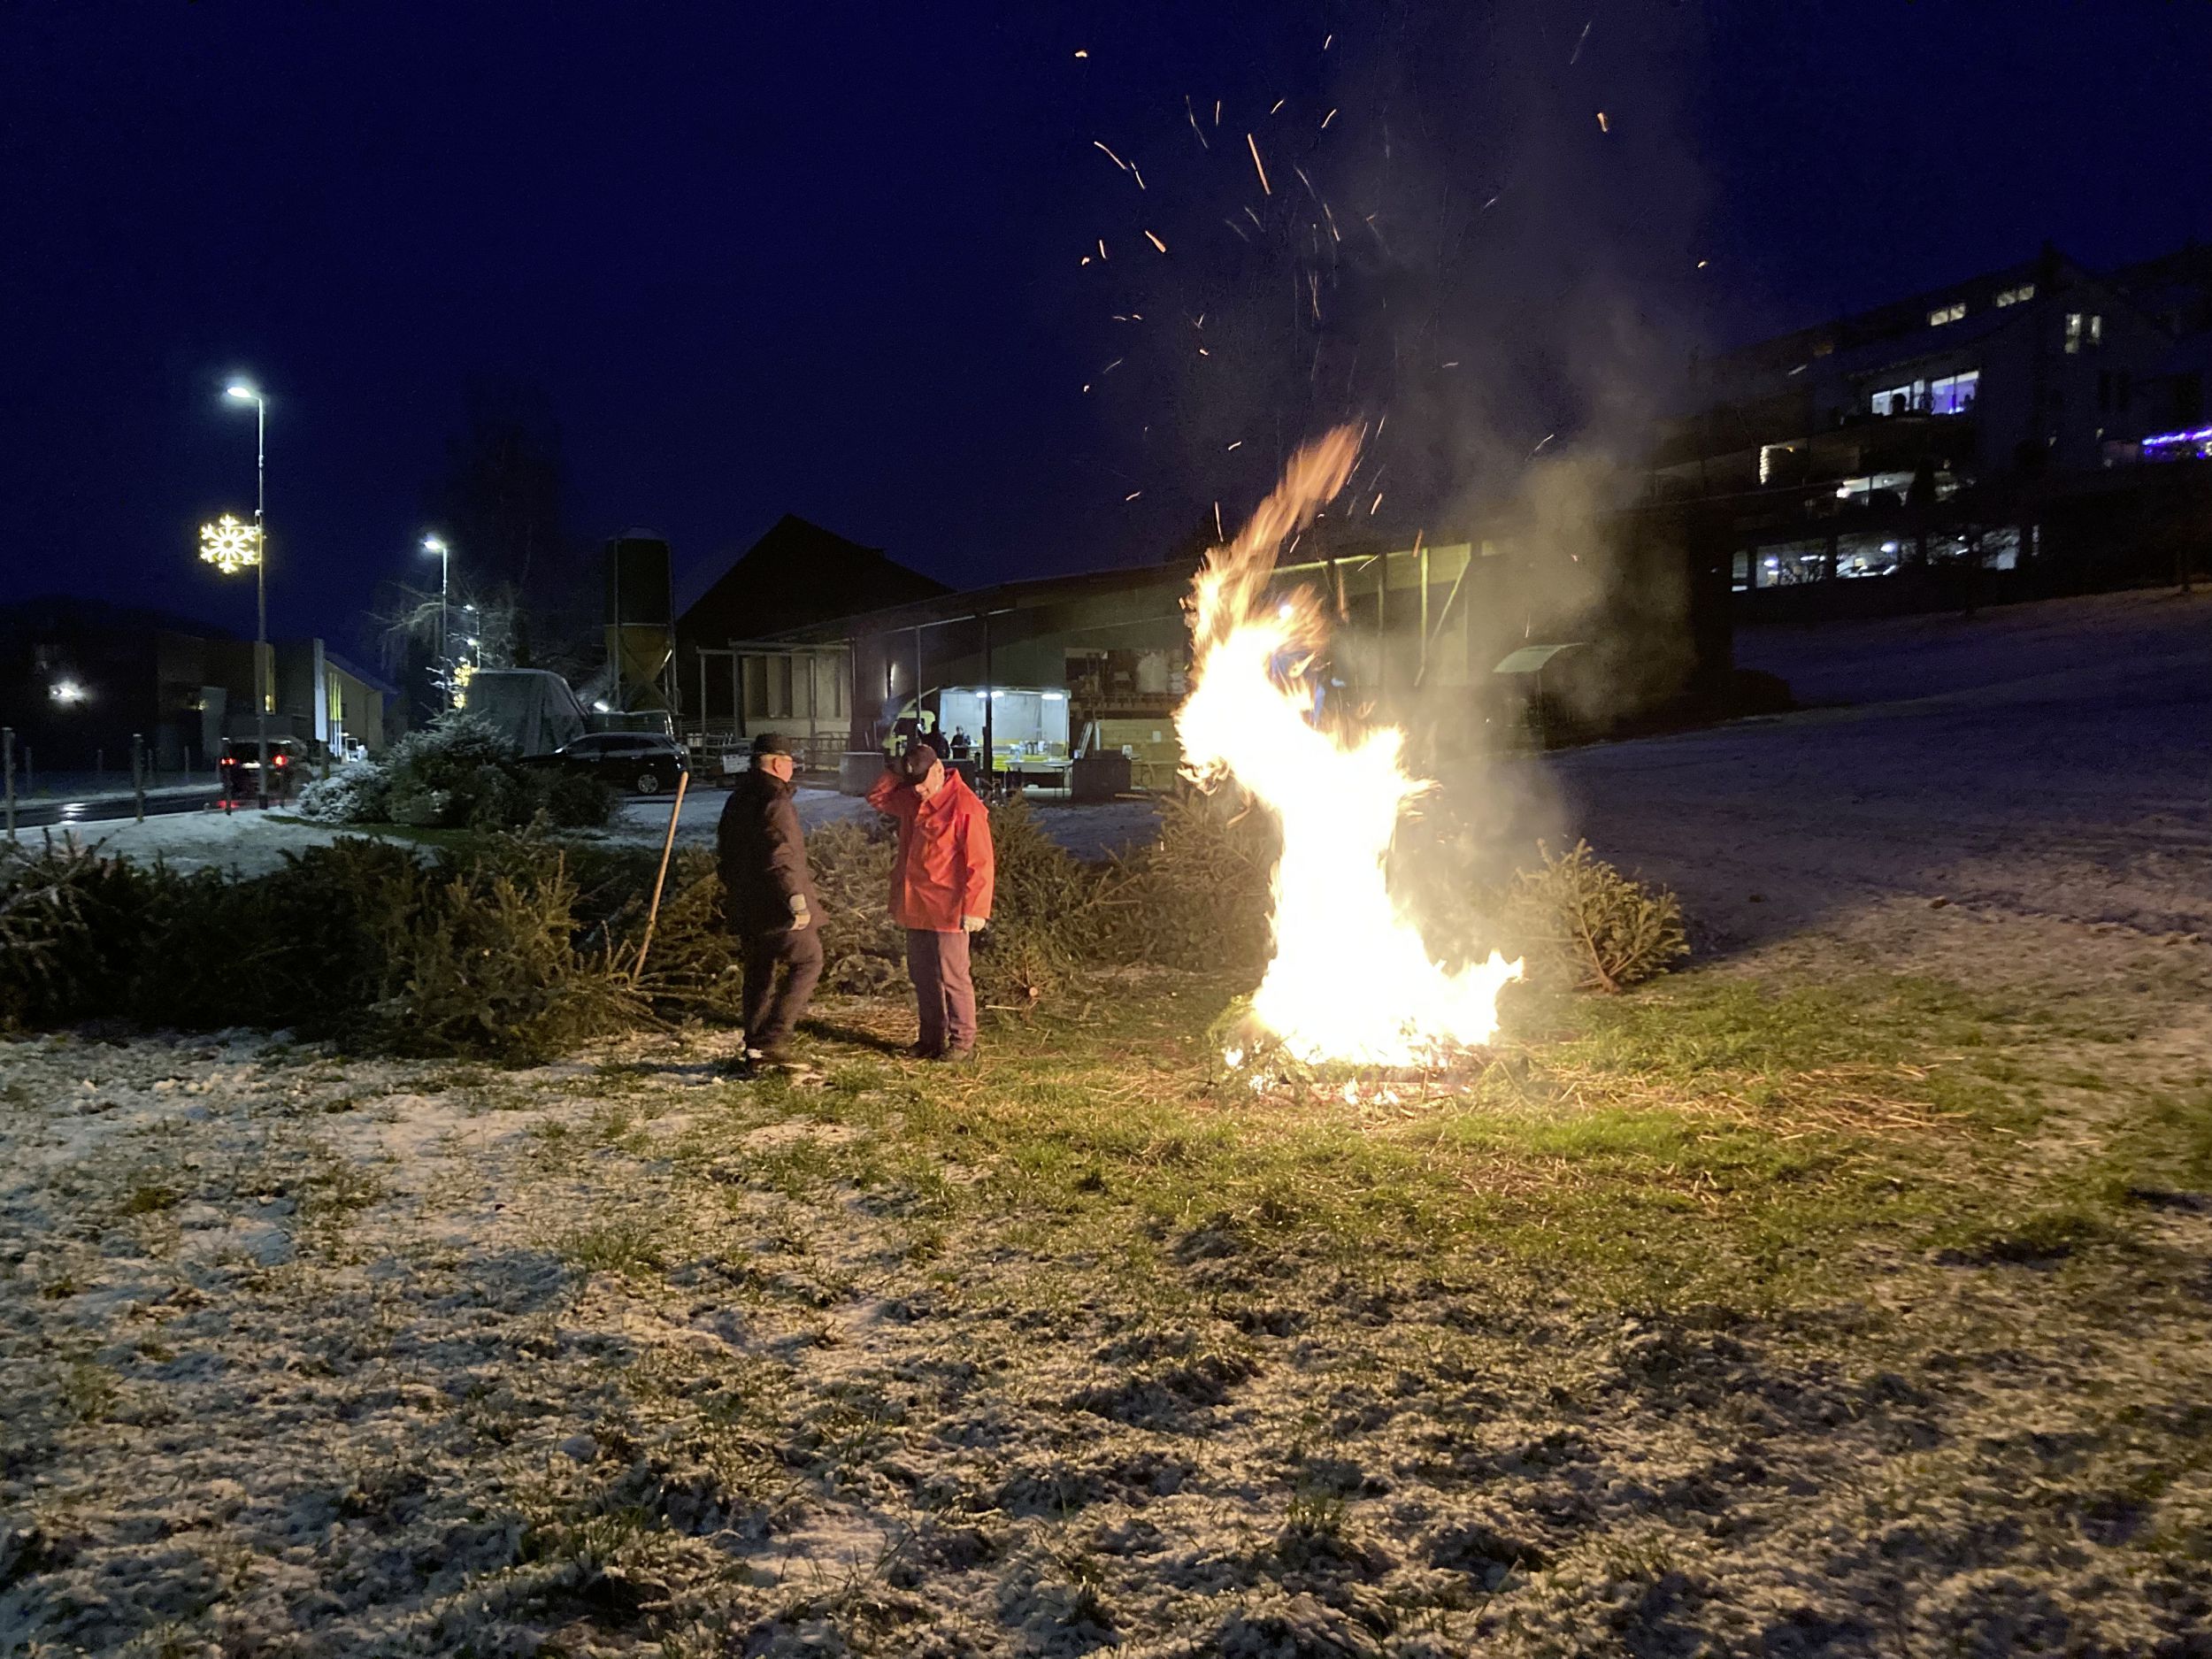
80,678
1476,639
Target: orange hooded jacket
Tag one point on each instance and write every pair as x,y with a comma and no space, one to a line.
945,867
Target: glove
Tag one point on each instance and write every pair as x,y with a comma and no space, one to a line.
971,924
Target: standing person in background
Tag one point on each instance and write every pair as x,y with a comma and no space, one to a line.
940,891
769,895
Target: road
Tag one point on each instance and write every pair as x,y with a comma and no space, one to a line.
106,807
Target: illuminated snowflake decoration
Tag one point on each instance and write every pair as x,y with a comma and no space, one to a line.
230,546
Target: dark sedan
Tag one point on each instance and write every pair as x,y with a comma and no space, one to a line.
643,761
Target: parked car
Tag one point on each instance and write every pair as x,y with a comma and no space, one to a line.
291,766
643,761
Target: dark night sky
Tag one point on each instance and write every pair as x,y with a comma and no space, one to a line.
825,258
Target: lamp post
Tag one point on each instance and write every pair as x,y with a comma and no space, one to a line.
244,393
431,544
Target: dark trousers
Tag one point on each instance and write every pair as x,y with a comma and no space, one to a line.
773,999
938,964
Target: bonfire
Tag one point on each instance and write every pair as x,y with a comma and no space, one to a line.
1350,980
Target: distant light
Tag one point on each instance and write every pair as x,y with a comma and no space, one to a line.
431,544
470,640
69,691
603,708
241,391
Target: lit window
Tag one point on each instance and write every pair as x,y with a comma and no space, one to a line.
1900,400
1943,314
2073,330
1953,394
2015,296
2096,328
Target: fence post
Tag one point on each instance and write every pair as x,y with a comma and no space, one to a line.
7,763
138,772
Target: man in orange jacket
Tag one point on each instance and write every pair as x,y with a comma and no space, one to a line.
940,891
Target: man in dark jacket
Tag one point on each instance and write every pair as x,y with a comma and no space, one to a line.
770,898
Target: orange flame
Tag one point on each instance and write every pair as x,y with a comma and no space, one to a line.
1350,979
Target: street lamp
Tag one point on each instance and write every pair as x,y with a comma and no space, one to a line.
431,544
246,393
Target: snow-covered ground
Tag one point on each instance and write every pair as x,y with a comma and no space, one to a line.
2047,766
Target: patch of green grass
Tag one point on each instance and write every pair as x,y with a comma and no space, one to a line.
630,1248
88,1391
149,1198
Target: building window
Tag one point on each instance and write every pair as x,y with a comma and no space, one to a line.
2020,295
1900,400
2073,330
2096,328
1953,394
1943,314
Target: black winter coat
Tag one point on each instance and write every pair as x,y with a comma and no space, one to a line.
762,856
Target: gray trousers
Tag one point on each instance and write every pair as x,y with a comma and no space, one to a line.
943,992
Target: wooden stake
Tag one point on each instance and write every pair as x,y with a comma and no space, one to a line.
653,914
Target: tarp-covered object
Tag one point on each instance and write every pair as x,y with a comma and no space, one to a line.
534,706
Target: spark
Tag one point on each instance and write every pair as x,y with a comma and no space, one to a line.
1085,260
1547,438
1216,111
1332,229
1324,41
1278,105
1254,217
1301,172
1099,144
1197,132
1265,189
1110,368
1604,126
1375,504
1703,264
1203,352
1239,444
1452,365
1492,203
1133,495
1233,226
1325,120
1579,41
1220,535
1087,385
1080,52
1155,242
1137,176
1102,246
